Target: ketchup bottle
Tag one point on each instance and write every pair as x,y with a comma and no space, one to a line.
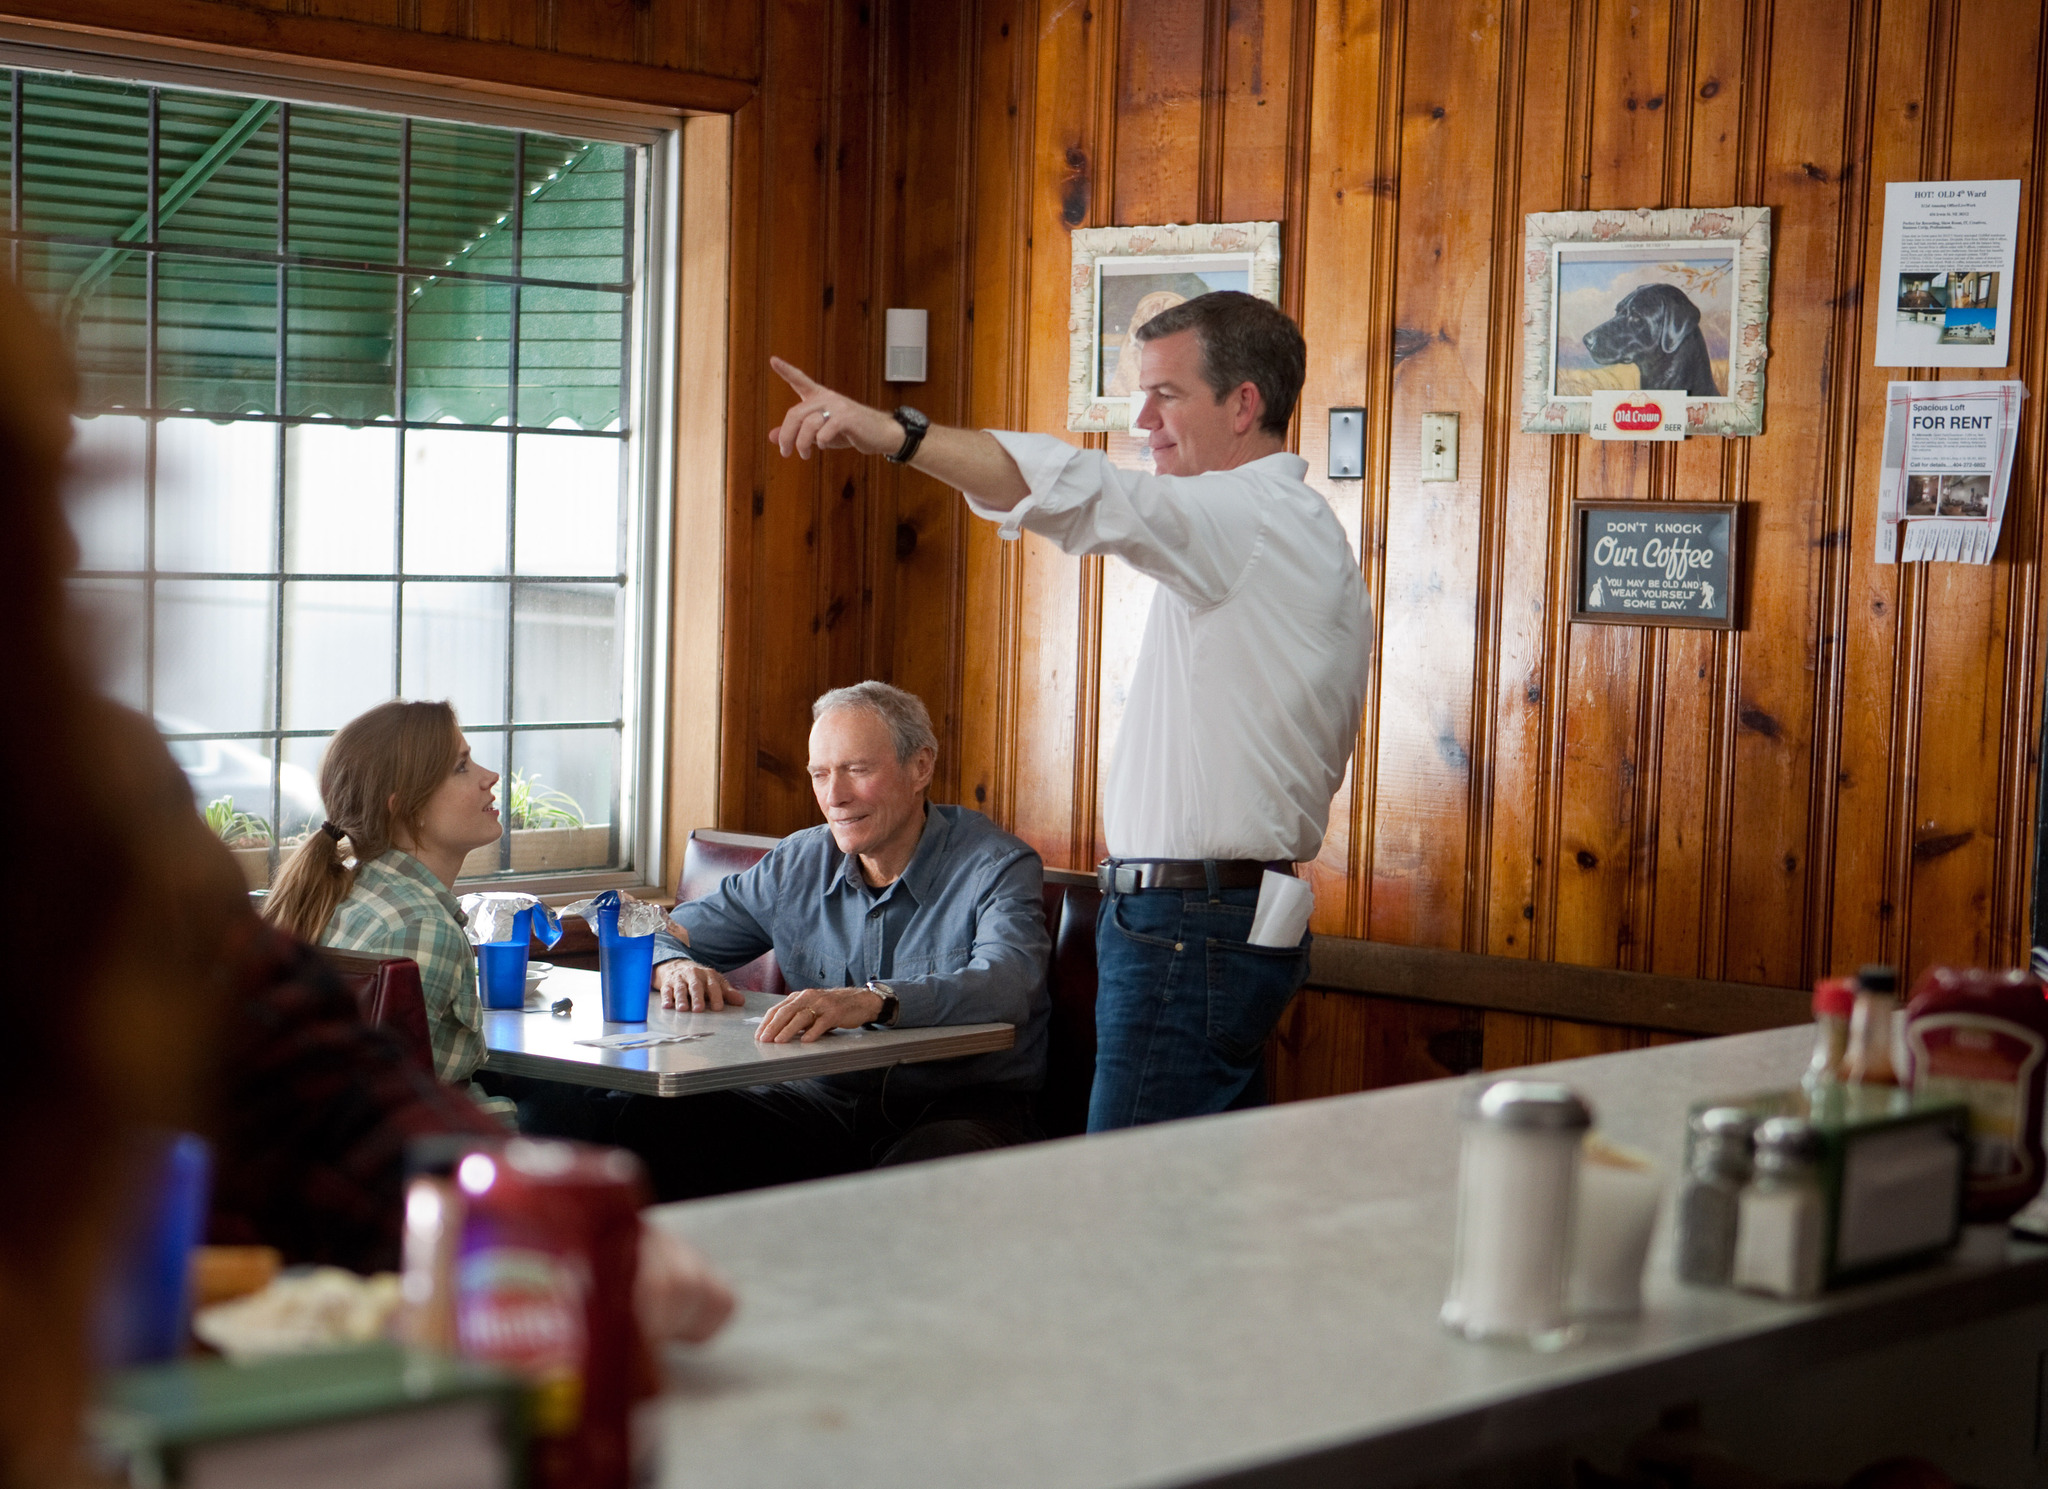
548,1245
1981,1038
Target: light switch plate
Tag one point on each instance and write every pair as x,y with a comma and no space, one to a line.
1347,443
1439,447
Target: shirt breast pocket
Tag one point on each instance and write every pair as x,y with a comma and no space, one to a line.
929,964
801,968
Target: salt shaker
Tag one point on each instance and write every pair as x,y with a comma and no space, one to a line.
1517,1190
1711,1197
1784,1216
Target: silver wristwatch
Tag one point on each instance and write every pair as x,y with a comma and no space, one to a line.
892,1006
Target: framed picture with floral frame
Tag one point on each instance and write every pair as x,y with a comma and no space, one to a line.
1671,299
1123,276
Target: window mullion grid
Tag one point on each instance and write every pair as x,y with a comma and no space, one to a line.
627,524
14,173
149,423
149,264
280,579
278,384
512,478
398,407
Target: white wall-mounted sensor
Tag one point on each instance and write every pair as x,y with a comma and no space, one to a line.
1347,444
904,331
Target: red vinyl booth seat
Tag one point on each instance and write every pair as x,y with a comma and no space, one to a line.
387,990
708,858
1071,901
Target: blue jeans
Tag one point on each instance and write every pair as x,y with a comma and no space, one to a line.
1183,1004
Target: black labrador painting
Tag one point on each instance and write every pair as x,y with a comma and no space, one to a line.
1644,315
1657,328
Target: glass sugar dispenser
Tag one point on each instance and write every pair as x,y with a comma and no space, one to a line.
1518,1177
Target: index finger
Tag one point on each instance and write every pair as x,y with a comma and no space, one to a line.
794,376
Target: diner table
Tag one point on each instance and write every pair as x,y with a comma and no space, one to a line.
535,1042
1252,1298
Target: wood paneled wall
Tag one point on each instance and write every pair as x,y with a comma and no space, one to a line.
841,568
1848,777
662,52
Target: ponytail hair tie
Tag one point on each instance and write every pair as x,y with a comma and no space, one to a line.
332,831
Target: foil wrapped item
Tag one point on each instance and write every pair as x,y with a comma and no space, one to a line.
636,917
302,1311
494,918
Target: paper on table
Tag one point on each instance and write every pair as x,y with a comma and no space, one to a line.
1282,913
634,1041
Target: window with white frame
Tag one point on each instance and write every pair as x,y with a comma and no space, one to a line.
360,397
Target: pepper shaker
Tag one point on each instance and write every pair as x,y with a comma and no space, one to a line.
1710,1201
1517,1189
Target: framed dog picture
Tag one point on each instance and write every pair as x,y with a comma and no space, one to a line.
1672,300
1123,276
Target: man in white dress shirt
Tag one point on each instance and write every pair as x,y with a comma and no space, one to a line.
1245,702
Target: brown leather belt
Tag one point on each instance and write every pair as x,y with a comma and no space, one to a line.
1128,875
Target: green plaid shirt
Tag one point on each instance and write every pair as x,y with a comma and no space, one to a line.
398,908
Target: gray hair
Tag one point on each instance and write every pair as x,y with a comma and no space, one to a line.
910,726
1244,340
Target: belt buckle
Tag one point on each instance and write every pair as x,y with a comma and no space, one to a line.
1117,878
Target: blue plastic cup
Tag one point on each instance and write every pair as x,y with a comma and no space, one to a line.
501,966
148,1290
625,970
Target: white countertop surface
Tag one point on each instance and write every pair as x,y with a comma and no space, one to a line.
538,1043
1243,1298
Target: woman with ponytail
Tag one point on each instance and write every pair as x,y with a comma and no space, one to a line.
402,791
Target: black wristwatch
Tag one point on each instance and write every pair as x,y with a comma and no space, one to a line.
892,1008
914,426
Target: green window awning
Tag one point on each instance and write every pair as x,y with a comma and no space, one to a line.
488,248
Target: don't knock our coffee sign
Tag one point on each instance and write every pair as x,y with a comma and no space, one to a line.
1657,563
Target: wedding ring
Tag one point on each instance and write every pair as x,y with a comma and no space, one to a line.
824,413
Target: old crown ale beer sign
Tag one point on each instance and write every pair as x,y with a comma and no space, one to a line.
1656,563
1638,414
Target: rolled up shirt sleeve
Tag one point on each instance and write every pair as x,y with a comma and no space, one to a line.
728,927
1197,535
1004,978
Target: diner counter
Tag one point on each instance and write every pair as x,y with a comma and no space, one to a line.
1250,1298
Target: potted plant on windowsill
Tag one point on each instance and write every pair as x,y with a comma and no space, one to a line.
247,837
549,832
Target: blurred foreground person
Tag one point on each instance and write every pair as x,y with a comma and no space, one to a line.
113,992
146,995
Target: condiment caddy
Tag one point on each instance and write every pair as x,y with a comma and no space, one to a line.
1908,1124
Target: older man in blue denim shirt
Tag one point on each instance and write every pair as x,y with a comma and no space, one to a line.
897,911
